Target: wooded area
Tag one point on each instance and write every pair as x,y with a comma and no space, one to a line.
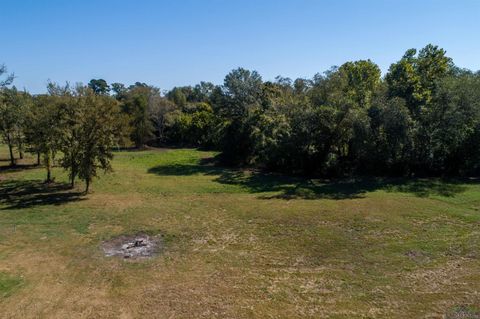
421,118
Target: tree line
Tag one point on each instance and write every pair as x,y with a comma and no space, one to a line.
73,127
421,118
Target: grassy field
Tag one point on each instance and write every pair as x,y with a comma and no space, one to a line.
238,244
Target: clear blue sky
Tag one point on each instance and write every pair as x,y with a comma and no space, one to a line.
181,42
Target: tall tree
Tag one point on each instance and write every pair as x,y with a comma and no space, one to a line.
240,98
7,78
119,90
99,86
43,131
243,91
363,79
8,117
161,110
70,110
98,134
177,96
415,77
13,109
8,121
138,104
202,92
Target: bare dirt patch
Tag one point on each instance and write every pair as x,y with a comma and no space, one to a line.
463,312
417,256
139,246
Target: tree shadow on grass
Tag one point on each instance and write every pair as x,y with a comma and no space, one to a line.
186,170
291,187
17,167
358,187
25,194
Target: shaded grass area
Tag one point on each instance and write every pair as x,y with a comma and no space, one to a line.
16,194
18,167
297,187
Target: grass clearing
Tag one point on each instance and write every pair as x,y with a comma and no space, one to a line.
237,244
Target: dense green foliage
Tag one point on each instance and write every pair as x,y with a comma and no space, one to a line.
78,126
421,118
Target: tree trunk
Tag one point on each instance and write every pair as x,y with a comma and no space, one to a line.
10,148
72,180
38,158
49,174
20,150
87,182
48,164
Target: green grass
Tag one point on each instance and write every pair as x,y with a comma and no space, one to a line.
8,284
239,244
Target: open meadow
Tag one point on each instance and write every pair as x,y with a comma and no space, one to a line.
236,243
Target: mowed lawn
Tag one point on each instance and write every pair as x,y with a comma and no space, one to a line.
238,244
